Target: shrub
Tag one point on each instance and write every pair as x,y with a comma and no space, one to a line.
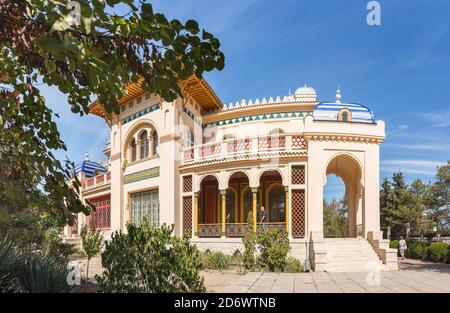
393,244
417,250
8,265
438,252
236,258
293,265
205,259
274,247
149,259
249,242
219,261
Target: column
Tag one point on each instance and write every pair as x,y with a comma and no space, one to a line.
223,194
254,194
286,209
195,213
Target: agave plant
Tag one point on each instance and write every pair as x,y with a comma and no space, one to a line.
8,258
38,273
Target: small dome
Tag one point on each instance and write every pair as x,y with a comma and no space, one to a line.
330,111
305,90
306,94
89,168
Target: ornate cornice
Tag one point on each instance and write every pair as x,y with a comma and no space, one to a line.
344,138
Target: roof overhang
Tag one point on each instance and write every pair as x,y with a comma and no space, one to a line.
194,87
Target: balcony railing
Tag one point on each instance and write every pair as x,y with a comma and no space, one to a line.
245,147
98,180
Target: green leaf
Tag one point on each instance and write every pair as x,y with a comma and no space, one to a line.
192,26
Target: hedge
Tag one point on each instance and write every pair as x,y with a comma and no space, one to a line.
436,251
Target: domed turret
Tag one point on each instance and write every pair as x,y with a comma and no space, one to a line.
305,93
341,111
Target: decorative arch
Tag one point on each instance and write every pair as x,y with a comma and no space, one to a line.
238,171
202,177
262,171
344,153
136,129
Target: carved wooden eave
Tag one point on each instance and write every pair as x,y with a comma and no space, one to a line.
194,87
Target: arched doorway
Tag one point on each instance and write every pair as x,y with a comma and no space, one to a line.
272,197
237,204
209,221
348,169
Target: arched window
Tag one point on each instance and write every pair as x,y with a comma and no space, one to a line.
345,115
143,138
154,142
133,150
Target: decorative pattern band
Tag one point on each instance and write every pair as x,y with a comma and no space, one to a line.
134,116
259,117
145,174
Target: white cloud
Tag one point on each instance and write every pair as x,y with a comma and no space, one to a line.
423,167
422,147
438,119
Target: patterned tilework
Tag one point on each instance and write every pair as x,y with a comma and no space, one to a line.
259,117
191,115
145,174
134,116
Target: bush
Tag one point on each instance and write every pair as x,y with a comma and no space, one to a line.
293,265
219,261
149,259
417,250
393,244
274,247
438,252
236,258
249,242
205,259
92,242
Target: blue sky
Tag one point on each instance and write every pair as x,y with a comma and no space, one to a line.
401,69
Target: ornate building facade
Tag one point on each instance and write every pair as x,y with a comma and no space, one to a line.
205,167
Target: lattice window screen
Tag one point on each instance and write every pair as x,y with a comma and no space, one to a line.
187,216
187,183
298,213
298,175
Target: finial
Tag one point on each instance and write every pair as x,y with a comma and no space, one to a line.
338,95
87,156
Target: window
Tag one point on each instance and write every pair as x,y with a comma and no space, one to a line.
189,138
276,198
154,142
138,100
143,138
345,115
130,105
145,205
133,150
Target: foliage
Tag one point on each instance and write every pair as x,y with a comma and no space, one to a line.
205,259
26,271
219,261
94,57
393,244
249,242
273,247
439,203
92,242
293,265
236,259
335,222
41,273
438,252
148,259
417,250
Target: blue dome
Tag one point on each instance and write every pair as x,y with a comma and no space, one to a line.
329,111
89,168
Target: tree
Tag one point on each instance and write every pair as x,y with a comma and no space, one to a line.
335,222
439,201
94,55
92,241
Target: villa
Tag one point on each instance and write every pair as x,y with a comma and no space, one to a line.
205,166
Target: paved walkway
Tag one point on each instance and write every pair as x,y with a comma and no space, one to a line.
413,276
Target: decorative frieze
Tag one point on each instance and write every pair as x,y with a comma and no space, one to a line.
145,174
134,116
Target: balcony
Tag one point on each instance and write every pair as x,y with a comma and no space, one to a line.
246,148
97,181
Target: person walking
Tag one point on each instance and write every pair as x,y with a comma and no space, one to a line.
263,218
402,247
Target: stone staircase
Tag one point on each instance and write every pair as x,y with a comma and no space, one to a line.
351,255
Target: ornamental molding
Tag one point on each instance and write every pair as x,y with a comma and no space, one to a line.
344,138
